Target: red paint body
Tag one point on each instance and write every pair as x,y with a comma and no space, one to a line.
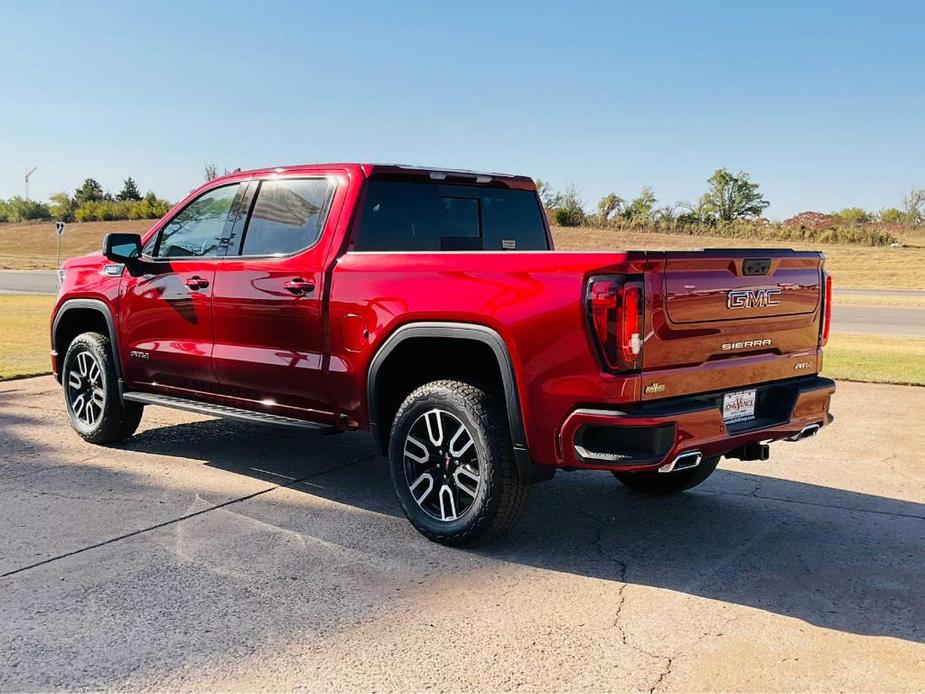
246,341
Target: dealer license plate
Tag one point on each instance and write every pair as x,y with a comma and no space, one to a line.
739,406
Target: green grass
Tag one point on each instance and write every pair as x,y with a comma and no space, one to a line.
875,359
24,341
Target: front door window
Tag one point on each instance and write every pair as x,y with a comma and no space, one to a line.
196,231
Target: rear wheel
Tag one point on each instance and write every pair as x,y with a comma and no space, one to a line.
91,392
668,482
452,464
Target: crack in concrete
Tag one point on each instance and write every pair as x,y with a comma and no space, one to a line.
663,674
668,660
187,516
601,549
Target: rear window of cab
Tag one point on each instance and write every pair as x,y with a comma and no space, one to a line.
417,216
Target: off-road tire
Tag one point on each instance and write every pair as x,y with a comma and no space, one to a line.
117,419
662,483
501,492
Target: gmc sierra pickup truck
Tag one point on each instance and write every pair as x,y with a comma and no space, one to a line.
429,308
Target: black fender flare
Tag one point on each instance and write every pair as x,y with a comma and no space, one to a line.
456,331
94,305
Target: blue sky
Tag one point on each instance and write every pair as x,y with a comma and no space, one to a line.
822,102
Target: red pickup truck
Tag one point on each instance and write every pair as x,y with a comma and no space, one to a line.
428,307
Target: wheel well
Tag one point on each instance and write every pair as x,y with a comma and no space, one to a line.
420,360
75,321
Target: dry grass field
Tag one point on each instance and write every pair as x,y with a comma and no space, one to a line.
34,247
851,266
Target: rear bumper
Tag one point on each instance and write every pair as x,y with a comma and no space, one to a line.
653,434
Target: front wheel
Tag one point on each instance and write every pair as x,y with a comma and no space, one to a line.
91,392
668,482
452,464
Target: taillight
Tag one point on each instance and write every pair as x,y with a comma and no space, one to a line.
615,308
827,310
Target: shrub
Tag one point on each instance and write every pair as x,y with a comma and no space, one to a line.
570,212
642,206
149,207
892,215
62,207
607,206
18,209
761,230
854,215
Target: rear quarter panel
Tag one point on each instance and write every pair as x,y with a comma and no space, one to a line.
537,308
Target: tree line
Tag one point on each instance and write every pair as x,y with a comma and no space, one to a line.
729,198
89,203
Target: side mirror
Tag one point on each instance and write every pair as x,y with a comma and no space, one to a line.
122,248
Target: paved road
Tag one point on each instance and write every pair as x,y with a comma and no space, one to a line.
846,291
879,320
210,555
28,282
883,320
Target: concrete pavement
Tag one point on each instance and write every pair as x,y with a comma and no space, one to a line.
204,554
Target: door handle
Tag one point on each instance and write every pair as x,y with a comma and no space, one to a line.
195,282
298,286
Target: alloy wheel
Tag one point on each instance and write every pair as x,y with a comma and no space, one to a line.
85,390
442,465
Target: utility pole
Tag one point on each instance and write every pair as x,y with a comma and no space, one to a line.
29,172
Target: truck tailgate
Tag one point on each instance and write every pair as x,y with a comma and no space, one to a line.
718,319
730,287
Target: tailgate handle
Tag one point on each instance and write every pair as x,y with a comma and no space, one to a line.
756,266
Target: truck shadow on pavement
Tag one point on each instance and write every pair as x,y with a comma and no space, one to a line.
836,559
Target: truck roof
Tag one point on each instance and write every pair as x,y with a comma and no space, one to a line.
402,171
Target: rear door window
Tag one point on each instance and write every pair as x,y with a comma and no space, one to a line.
416,216
287,216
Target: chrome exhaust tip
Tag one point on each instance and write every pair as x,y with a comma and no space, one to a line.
683,461
805,432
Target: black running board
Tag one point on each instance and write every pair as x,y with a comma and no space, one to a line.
235,413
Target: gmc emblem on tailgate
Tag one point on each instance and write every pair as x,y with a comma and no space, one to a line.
751,298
